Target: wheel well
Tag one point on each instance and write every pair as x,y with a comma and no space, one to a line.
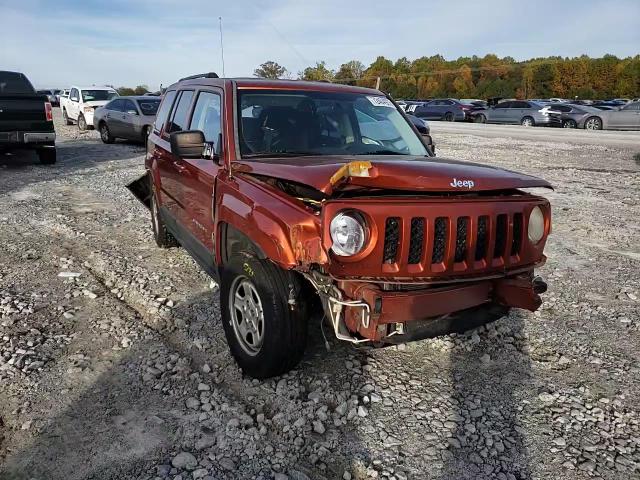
101,123
233,241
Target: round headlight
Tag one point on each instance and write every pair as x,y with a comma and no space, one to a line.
347,233
536,225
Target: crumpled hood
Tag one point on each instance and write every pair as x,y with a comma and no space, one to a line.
397,172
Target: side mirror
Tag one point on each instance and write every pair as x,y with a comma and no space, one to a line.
187,144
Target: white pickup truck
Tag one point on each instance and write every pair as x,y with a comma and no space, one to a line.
79,106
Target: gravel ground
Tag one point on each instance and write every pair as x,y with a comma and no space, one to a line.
113,363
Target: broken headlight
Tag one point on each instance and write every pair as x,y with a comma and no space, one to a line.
536,225
348,233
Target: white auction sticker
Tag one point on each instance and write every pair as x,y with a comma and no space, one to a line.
381,102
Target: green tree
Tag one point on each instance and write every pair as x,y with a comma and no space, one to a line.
350,72
319,72
270,69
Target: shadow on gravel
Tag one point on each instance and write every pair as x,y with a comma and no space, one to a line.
487,398
21,168
113,429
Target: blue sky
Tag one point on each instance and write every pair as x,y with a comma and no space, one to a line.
131,42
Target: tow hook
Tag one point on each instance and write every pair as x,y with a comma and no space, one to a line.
539,285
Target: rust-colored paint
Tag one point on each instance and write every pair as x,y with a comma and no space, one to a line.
204,194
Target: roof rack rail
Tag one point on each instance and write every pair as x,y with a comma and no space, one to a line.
201,75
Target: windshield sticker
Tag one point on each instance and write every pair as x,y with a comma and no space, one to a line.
381,102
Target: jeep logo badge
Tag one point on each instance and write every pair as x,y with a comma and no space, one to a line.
462,183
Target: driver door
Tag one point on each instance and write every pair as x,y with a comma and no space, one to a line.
199,183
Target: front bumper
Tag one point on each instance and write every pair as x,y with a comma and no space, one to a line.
376,314
88,117
19,139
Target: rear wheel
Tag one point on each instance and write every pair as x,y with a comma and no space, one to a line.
569,123
480,118
263,314
527,122
105,134
162,236
47,156
65,118
448,117
593,123
82,123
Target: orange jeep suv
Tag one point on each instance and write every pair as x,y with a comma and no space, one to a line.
311,197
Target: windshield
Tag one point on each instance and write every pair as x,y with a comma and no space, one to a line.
281,122
98,95
149,107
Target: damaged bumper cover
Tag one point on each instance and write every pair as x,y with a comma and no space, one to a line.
365,312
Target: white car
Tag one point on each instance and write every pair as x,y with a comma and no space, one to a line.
79,106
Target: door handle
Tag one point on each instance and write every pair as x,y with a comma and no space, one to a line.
181,169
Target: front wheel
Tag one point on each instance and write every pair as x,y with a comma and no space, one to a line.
527,122
593,123
82,123
480,119
264,315
569,123
105,134
448,117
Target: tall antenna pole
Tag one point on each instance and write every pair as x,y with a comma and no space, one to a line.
221,46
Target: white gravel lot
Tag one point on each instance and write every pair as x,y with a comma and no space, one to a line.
113,363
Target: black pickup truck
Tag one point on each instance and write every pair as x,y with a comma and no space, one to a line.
26,118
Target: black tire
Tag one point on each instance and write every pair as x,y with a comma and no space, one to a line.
65,118
284,325
162,236
593,123
527,122
105,134
82,123
569,123
480,118
448,117
47,156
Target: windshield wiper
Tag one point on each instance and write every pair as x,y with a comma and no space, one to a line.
278,154
380,152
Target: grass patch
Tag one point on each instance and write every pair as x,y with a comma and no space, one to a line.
636,157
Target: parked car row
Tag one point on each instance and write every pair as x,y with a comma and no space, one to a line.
615,114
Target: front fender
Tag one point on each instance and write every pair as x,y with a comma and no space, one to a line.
284,232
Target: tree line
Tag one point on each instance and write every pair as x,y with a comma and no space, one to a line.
482,77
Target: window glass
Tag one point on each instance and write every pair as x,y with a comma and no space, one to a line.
115,105
206,116
179,119
280,122
14,83
98,95
520,105
129,106
447,102
632,106
165,107
149,107
74,94
504,105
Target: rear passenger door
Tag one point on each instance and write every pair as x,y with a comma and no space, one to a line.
112,116
130,116
500,112
626,117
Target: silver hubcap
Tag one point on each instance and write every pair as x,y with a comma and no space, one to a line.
105,133
592,124
526,122
247,316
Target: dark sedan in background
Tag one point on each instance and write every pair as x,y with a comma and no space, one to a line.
447,109
128,118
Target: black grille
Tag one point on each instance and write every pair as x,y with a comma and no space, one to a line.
516,243
439,240
501,236
416,245
481,241
461,239
391,239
